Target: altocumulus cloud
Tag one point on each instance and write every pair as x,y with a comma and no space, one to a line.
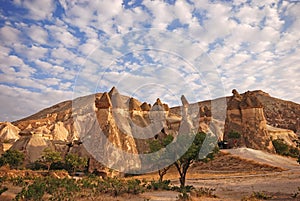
57,50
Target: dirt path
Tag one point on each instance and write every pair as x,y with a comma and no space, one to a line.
266,158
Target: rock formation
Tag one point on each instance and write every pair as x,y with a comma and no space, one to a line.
8,135
245,117
116,98
134,105
145,106
126,123
103,102
8,132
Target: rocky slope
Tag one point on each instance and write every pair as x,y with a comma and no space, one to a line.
73,126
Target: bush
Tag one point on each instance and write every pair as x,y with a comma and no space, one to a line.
234,135
18,181
13,158
284,149
156,185
74,162
34,191
134,186
37,165
280,147
257,195
204,192
3,189
58,189
185,191
70,189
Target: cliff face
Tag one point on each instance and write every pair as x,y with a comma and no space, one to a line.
245,116
280,113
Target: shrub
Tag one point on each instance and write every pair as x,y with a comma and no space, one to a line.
157,185
257,195
37,165
58,189
204,192
234,135
74,162
134,186
184,194
280,147
18,181
3,189
34,191
284,149
13,158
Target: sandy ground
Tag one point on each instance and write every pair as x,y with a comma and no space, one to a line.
280,183
235,173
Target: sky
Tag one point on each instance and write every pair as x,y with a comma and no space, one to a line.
51,51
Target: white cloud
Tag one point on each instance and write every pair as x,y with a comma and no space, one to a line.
18,102
32,52
12,64
9,35
62,35
254,45
37,34
38,10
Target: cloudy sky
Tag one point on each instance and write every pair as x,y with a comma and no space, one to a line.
52,51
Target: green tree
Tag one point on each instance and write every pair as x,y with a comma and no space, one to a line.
74,162
156,145
13,158
49,156
192,154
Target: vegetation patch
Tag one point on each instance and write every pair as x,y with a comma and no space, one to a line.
285,150
257,196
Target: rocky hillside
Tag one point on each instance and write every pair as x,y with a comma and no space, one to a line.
127,124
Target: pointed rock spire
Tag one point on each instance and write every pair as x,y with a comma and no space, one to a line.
166,107
115,98
145,106
158,102
104,102
134,105
184,101
157,105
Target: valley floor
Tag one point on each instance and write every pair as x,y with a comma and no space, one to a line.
235,176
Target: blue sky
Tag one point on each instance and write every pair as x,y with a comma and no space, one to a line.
57,50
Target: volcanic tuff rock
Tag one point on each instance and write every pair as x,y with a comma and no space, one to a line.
8,135
245,116
121,119
8,132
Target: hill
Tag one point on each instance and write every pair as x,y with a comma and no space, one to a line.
128,124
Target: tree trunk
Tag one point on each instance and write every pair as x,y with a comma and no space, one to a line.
162,172
182,180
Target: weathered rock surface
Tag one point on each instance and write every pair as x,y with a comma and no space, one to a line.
8,132
288,136
245,116
8,135
125,121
